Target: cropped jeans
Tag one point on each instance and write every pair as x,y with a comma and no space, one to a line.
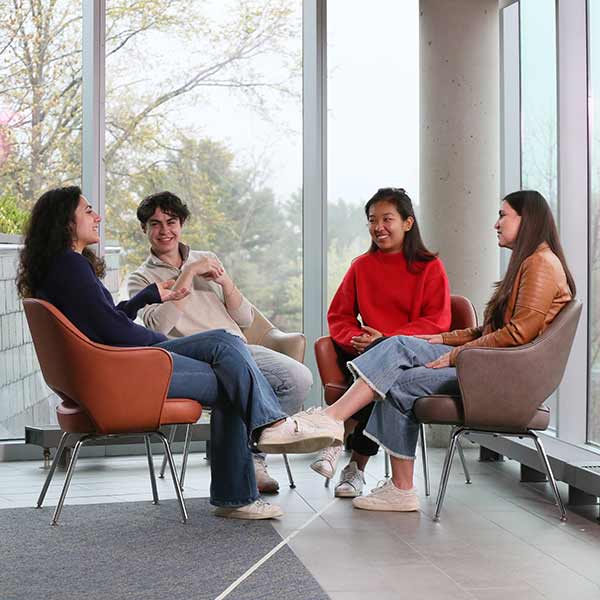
395,371
216,369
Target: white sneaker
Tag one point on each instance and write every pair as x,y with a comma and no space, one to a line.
386,496
259,509
264,482
304,432
326,463
352,481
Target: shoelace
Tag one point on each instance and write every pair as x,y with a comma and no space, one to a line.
330,453
309,411
381,486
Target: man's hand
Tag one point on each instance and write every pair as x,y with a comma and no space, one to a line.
207,267
360,342
431,338
441,362
167,294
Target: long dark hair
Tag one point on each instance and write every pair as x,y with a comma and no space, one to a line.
537,226
413,248
48,233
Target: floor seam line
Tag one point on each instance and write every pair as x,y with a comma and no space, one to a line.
272,552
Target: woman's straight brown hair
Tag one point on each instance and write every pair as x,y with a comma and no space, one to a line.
537,226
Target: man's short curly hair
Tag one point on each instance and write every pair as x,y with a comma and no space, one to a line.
168,202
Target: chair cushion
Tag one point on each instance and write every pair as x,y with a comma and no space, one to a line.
448,410
439,409
180,410
73,419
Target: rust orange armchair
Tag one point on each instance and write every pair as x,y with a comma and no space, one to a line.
336,382
105,391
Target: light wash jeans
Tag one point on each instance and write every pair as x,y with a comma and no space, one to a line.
394,371
217,369
291,380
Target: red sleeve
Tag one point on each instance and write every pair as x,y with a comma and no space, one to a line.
343,312
435,314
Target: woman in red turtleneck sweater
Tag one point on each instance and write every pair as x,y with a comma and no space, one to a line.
398,287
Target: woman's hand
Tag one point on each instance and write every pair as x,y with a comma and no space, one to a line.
435,338
440,363
362,341
169,295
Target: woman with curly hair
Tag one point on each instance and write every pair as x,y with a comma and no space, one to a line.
214,367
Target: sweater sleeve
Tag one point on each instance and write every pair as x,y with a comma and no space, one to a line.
435,314
147,295
342,316
537,288
155,315
81,296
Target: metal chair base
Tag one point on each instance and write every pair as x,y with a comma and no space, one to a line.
425,462
454,441
186,452
71,469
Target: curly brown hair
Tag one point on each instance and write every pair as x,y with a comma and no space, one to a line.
48,233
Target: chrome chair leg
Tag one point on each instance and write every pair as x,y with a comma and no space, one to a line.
424,458
446,472
186,452
289,471
387,465
68,478
463,462
546,463
151,469
164,461
55,462
169,456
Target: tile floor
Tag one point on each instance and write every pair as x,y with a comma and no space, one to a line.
497,538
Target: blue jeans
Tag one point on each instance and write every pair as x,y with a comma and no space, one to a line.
217,369
394,371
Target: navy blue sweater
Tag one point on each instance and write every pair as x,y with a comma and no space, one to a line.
73,287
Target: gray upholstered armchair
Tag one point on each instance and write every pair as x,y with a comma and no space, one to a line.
503,392
261,333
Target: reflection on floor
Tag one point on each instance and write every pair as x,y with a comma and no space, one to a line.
497,538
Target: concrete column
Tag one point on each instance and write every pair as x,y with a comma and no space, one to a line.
460,136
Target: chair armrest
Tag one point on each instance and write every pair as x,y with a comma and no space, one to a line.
290,344
503,387
328,363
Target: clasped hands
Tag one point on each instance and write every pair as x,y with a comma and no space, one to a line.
362,341
208,267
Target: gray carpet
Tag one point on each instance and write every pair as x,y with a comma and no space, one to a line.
134,550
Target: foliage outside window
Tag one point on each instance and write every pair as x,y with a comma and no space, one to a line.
204,99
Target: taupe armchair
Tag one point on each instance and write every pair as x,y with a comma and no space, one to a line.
261,333
503,392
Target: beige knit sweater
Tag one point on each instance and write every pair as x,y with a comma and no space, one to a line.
203,310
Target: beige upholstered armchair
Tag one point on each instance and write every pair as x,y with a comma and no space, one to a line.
261,333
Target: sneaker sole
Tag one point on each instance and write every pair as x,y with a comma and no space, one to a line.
348,494
385,508
298,446
321,470
245,516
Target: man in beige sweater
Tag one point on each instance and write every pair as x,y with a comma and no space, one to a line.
214,303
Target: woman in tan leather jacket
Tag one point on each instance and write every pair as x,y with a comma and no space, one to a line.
397,371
